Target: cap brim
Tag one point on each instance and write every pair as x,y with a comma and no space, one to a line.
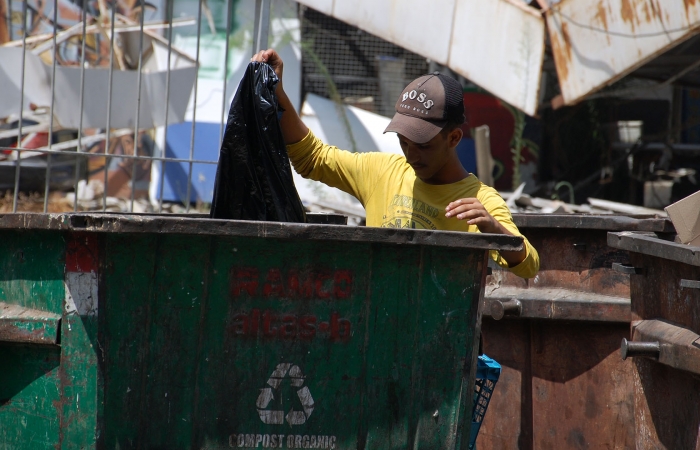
417,130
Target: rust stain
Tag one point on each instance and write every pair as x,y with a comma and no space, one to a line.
628,13
647,14
602,16
561,57
567,39
688,5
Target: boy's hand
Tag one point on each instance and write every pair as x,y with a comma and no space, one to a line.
471,210
272,58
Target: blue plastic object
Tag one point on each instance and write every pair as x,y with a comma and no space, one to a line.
487,373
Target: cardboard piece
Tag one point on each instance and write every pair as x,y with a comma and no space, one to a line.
685,215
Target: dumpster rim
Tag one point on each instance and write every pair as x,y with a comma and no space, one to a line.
164,224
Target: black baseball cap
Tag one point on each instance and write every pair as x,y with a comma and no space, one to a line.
426,105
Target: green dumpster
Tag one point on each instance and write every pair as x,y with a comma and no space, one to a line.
161,332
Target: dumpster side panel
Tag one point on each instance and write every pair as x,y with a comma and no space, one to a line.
250,342
29,397
581,387
574,259
154,299
31,275
125,337
31,269
421,380
508,420
291,320
563,386
666,407
390,382
80,374
657,292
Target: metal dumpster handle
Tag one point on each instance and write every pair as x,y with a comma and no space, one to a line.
511,307
632,349
631,270
690,284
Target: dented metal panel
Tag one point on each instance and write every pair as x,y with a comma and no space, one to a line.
595,43
497,44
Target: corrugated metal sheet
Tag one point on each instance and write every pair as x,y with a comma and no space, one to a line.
595,43
497,44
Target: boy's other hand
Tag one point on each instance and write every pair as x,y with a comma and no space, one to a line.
471,210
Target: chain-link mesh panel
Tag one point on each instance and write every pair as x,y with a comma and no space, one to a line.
366,71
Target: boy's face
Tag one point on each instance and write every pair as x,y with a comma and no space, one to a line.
433,159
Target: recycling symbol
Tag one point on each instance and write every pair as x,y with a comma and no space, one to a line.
277,417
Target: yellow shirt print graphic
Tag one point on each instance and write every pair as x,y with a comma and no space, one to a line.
407,212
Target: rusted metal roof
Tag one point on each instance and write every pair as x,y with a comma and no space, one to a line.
595,43
499,44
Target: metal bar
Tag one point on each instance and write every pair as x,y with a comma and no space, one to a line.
653,246
18,164
82,104
262,25
629,349
256,25
557,304
99,155
134,168
678,346
690,284
629,270
502,308
109,109
194,109
171,10
94,29
53,100
229,12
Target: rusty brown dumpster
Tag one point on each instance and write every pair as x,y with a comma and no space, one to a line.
563,384
664,339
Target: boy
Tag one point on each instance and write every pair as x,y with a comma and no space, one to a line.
428,188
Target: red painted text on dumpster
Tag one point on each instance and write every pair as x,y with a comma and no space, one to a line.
323,284
287,326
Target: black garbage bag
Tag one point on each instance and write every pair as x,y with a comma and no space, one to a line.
254,176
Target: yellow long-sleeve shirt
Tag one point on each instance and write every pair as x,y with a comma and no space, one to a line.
394,197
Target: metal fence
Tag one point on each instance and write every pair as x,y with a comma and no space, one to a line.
98,93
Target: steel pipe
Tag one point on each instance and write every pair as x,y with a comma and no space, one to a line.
500,309
632,349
